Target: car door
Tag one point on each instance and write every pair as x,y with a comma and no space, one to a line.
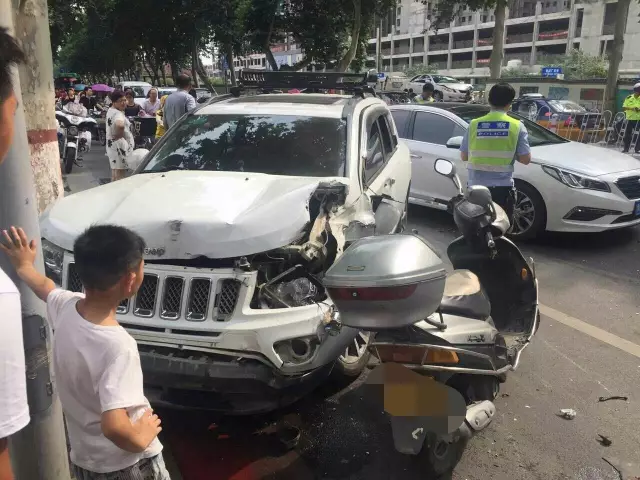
428,135
386,173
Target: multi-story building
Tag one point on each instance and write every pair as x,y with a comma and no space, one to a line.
536,33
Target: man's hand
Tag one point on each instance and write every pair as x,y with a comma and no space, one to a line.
20,250
22,254
148,426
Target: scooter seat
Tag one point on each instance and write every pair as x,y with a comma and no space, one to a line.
464,296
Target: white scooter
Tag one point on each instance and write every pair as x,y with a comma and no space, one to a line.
445,341
78,126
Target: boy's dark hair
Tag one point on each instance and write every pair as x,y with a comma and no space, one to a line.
428,87
501,95
116,95
183,81
105,253
10,54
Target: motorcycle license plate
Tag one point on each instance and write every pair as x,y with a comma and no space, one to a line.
636,210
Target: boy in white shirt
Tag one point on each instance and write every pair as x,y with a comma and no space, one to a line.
112,430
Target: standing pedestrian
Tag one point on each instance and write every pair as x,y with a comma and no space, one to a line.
118,135
151,103
491,146
14,409
179,102
71,96
159,123
427,94
131,109
112,429
631,107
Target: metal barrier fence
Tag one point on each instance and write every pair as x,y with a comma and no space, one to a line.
599,128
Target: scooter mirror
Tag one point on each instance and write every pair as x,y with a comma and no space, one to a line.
445,167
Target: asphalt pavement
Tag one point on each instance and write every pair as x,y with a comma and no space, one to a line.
588,346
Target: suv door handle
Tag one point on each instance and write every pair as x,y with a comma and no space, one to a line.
413,155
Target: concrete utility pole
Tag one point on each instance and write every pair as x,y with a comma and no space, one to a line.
31,19
39,451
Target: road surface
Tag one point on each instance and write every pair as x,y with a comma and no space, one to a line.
588,346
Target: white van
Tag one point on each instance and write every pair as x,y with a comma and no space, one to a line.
140,90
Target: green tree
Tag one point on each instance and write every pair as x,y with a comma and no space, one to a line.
447,10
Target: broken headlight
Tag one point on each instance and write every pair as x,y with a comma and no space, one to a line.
53,260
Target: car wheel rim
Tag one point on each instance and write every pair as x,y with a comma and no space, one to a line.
356,349
524,214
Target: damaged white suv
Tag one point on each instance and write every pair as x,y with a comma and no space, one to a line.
244,204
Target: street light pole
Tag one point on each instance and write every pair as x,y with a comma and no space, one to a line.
39,451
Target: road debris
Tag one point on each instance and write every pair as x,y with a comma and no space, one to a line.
615,397
568,413
604,441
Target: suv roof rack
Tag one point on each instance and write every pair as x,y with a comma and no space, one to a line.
268,80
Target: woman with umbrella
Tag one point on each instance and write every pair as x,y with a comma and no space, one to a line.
102,91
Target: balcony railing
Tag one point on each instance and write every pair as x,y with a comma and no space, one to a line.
555,35
485,42
525,57
461,64
400,49
463,44
520,38
438,46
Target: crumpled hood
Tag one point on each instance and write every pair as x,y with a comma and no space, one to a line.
583,158
187,214
456,86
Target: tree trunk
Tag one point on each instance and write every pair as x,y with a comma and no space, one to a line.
304,63
622,14
203,74
497,54
174,71
355,37
270,58
194,61
232,72
164,76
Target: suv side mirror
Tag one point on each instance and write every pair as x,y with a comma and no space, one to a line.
454,142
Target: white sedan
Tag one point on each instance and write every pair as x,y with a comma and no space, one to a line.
567,187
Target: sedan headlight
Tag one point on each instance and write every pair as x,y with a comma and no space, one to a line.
53,259
573,180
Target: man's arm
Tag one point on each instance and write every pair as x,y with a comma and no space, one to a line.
22,254
523,150
464,147
191,103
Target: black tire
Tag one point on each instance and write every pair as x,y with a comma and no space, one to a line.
539,221
438,458
69,160
345,370
438,96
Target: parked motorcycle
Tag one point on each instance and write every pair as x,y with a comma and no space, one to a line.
454,336
144,131
101,125
77,139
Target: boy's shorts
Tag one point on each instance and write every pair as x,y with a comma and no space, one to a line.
148,469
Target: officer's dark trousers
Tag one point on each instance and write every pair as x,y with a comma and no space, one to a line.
506,198
632,125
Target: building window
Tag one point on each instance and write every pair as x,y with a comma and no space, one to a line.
470,17
399,11
484,18
398,22
463,20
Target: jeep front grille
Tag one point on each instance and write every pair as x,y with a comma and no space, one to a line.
178,296
630,186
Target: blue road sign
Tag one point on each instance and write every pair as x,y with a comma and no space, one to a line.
381,75
551,71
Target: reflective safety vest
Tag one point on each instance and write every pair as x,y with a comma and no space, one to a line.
632,102
493,141
420,99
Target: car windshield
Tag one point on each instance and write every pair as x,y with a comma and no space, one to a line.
138,91
439,79
538,135
567,106
272,144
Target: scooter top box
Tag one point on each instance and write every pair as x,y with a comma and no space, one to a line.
387,281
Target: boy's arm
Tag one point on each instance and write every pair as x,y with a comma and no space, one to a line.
22,254
131,437
120,387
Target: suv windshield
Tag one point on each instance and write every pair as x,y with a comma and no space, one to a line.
439,79
567,106
538,135
272,144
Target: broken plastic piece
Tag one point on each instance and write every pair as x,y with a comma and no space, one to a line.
568,413
615,397
604,441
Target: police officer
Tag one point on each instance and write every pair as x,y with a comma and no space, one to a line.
427,94
631,107
491,146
